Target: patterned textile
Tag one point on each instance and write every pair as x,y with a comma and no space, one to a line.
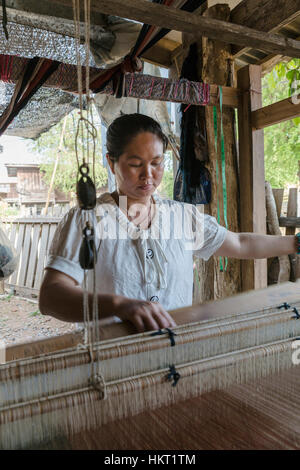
64,78
135,85
33,77
148,87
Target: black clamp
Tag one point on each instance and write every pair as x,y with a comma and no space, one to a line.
297,316
295,310
173,375
285,305
167,331
87,252
85,189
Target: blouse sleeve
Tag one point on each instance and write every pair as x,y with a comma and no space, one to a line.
213,238
63,254
208,236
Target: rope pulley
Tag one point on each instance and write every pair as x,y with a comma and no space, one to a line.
87,253
86,190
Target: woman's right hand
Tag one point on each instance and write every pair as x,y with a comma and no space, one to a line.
144,315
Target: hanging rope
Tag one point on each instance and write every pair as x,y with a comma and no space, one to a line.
85,149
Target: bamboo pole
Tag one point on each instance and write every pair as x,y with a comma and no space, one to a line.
55,164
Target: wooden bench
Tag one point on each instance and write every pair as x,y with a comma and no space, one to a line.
31,238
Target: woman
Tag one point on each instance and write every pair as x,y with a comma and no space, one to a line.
145,252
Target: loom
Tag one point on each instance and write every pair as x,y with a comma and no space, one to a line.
51,394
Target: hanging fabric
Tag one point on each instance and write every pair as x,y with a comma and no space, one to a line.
223,170
192,182
116,76
34,76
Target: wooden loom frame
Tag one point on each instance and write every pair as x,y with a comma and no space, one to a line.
265,349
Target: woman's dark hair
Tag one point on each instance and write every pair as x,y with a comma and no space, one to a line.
125,128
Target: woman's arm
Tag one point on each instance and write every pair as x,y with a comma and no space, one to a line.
62,298
256,246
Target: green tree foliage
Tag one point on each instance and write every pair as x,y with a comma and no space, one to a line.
166,186
66,175
282,141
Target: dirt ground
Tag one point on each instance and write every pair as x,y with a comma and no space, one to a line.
21,321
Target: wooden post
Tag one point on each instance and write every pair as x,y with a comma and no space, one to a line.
56,164
292,211
251,173
278,196
214,66
278,267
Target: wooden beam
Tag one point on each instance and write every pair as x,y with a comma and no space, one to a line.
158,55
271,60
275,113
171,18
251,172
58,11
231,96
289,222
57,25
264,15
162,52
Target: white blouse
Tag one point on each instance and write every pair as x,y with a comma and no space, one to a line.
154,264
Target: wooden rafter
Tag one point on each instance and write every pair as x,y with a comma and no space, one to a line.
268,16
271,60
173,19
275,113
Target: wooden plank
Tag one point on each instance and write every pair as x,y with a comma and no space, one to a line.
25,255
292,212
20,237
264,15
33,255
54,23
161,54
275,113
158,55
252,176
269,62
289,222
51,233
171,18
41,257
279,268
292,209
23,290
13,232
231,96
38,220
278,196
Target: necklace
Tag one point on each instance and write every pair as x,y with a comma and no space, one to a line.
141,222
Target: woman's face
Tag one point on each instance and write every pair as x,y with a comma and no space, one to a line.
140,168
